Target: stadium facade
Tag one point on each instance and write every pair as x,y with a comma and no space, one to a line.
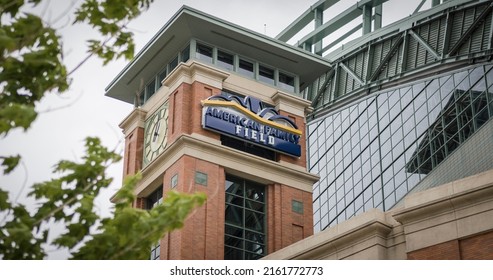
397,103
403,109
382,134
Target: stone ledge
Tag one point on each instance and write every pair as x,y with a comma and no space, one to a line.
352,236
234,162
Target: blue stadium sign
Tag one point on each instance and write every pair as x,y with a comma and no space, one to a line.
250,120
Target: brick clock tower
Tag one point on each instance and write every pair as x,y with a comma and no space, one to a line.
225,119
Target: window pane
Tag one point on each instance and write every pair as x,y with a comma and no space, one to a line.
254,221
225,60
255,193
150,89
286,82
246,68
234,215
255,248
173,64
234,187
254,205
236,200
233,242
185,54
244,219
266,74
232,253
204,53
201,178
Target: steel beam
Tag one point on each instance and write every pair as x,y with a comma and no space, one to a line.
303,20
319,18
470,30
367,11
377,22
490,42
386,59
351,73
424,44
421,5
329,76
339,21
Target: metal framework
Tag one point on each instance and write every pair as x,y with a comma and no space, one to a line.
457,121
449,35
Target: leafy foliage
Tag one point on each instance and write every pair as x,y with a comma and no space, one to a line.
69,199
110,18
31,66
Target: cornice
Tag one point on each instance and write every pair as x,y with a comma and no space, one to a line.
451,201
133,120
193,71
234,161
335,239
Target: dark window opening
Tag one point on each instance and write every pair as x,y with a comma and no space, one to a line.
204,53
248,147
245,223
173,64
246,68
225,60
286,82
185,54
266,74
150,89
152,200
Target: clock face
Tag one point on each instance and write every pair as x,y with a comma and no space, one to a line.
156,133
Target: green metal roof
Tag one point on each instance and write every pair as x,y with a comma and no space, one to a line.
189,23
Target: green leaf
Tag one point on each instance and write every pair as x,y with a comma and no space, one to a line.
10,163
16,115
4,200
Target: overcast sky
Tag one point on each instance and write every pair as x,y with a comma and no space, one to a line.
65,120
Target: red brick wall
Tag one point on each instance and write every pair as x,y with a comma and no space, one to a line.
202,236
132,159
285,227
186,110
443,251
479,247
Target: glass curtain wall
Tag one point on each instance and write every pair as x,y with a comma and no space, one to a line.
373,152
154,199
244,220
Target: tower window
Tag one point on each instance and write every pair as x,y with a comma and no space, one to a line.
266,74
185,54
173,64
246,68
244,237
152,200
204,53
286,81
201,178
248,147
225,60
174,181
297,206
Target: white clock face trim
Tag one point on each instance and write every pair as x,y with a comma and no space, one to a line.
156,134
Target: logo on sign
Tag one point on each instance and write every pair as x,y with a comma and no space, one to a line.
249,119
